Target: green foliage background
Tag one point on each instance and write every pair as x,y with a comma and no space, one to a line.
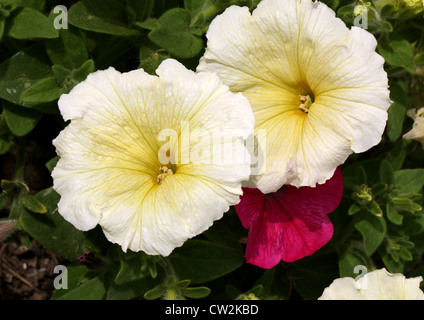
379,223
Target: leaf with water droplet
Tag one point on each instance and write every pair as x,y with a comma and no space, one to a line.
22,70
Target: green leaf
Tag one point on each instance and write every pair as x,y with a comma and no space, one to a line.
201,11
388,11
61,73
361,172
28,23
70,78
20,120
77,274
393,215
378,189
409,180
155,293
11,186
133,289
150,59
405,255
103,16
386,26
195,293
55,233
196,6
346,13
182,283
129,270
32,204
396,112
21,71
26,241
391,264
5,199
202,261
354,208
16,208
92,289
386,173
349,259
149,24
68,50
5,143
52,163
373,230
45,90
361,176
402,201
175,36
398,53
397,155
81,73
39,5
374,208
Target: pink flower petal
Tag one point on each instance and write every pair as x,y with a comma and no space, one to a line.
289,224
265,241
250,207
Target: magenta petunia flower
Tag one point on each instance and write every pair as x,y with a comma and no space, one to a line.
288,224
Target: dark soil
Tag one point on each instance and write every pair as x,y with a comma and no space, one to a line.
26,273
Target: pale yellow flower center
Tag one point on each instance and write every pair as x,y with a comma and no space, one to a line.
164,172
305,103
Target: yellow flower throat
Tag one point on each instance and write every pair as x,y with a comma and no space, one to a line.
305,103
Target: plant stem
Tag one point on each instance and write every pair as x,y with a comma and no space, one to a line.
169,269
171,294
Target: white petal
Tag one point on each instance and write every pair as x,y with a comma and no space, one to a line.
417,131
375,285
285,49
109,155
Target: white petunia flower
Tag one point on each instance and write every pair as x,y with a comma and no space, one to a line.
139,158
316,87
375,285
417,131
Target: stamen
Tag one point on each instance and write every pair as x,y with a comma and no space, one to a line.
165,171
306,103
